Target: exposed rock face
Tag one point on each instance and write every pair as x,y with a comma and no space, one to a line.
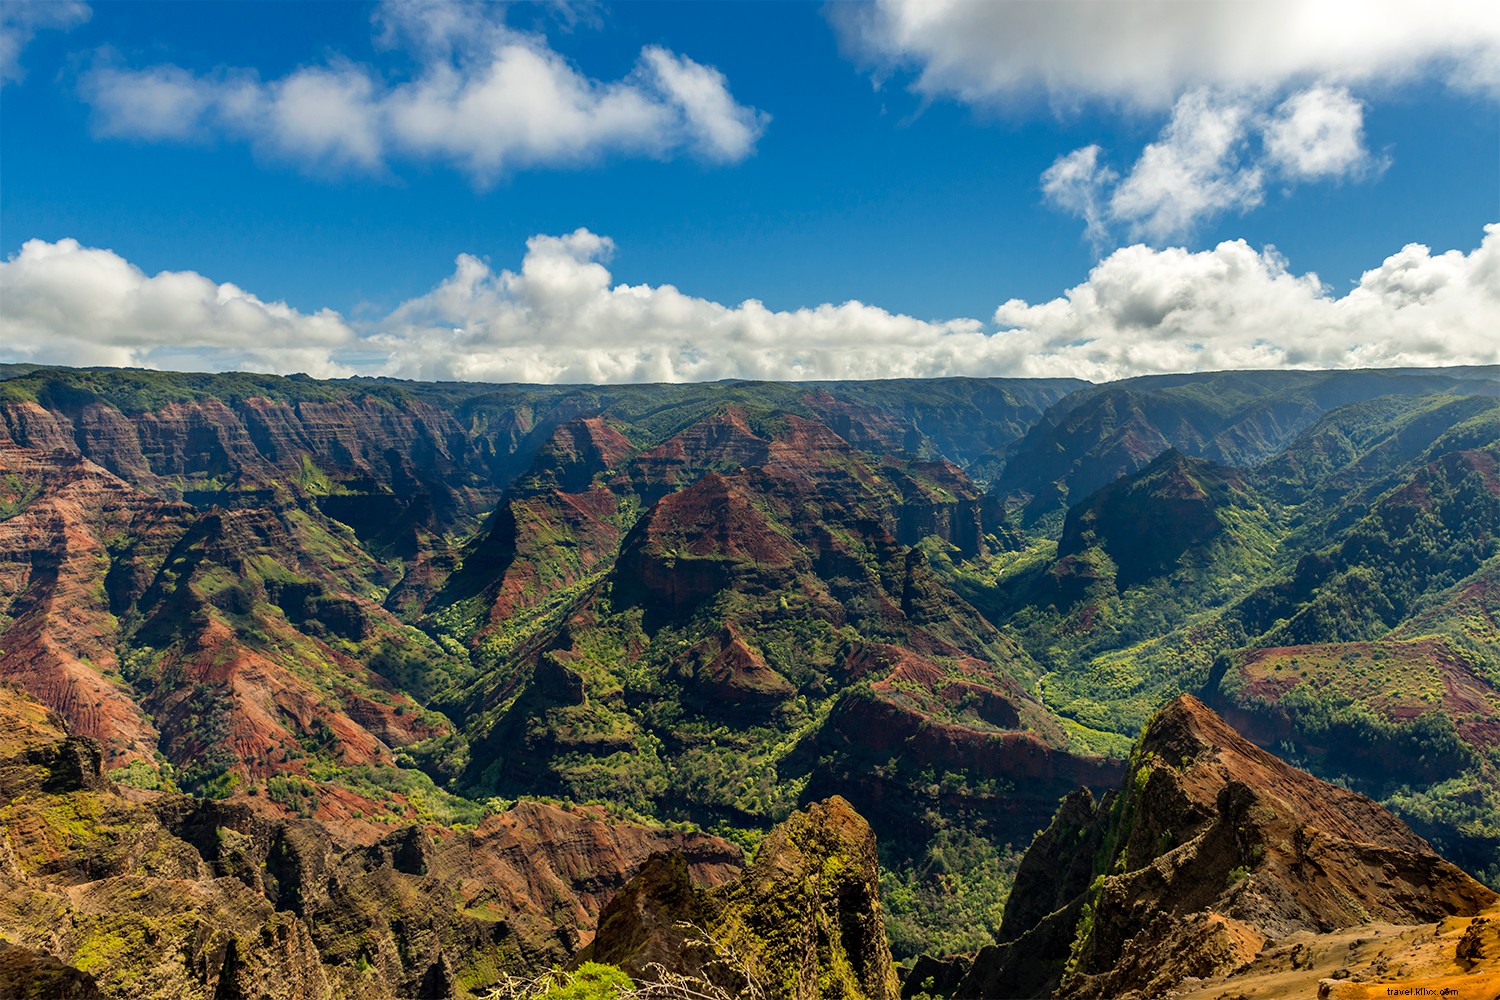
691,600
1058,866
696,542
730,675
804,919
1214,851
242,630
31,975
577,452
214,450
722,442
810,902
734,569
70,559
961,717
169,896
1452,957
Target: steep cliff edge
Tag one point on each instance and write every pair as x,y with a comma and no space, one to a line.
1214,854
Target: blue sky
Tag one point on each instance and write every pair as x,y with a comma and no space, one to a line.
904,187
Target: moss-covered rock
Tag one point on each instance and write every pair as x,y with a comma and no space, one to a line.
804,921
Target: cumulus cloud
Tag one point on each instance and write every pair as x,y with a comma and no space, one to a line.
1256,90
482,96
20,20
1147,53
63,303
1193,171
1076,183
1319,133
1214,156
560,317
1145,310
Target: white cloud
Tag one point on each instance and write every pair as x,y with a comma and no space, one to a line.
1145,310
1076,183
483,97
1214,156
164,102
20,20
62,303
1193,171
1224,68
1319,133
561,318
1147,53
721,129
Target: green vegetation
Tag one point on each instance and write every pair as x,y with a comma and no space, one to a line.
139,774
592,981
686,666
16,494
951,898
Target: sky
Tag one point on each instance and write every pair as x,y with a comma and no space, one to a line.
624,192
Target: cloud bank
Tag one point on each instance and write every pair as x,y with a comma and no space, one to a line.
561,318
1146,54
62,303
482,97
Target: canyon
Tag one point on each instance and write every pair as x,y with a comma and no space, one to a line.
379,688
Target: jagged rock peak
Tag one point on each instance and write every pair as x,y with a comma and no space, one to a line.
804,919
1212,854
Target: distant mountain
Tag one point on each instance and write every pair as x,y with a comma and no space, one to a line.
1136,562
1095,435
1431,531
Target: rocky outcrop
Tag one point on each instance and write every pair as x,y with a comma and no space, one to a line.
170,896
1058,866
1452,957
578,451
1214,851
731,677
884,726
721,442
803,920
222,638
536,545
1005,781
695,542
